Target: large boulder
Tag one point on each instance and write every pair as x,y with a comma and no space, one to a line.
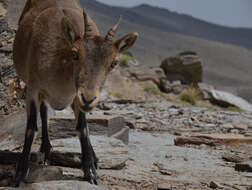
224,99
186,67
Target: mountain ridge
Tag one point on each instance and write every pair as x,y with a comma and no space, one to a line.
169,21
226,65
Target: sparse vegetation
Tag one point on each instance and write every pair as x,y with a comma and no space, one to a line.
156,92
116,94
233,109
191,96
125,58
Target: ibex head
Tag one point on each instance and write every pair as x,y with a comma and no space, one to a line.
94,58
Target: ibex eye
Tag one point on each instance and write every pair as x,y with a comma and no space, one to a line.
75,55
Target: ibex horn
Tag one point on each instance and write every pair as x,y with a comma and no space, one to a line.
88,29
111,33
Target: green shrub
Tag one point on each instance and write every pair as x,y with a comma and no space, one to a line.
125,59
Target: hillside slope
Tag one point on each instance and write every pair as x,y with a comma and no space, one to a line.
225,65
167,21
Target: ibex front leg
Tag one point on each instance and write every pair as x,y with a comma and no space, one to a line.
46,145
31,128
89,159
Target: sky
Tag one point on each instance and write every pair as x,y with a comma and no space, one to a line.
235,13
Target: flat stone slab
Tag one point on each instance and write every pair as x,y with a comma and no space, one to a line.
112,153
111,126
56,185
213,139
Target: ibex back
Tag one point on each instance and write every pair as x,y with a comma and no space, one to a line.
64,61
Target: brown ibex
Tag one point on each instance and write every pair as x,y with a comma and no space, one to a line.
63,60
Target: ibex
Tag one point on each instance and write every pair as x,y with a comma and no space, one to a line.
64,61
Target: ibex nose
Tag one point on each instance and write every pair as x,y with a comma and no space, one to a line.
86,101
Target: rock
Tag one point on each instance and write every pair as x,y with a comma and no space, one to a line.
186,68
162,170
165,186
244,167
205,88
6,175
154,75
233,158
165,86
107,121
10,41
177,87
98,124
112,153
242,127
56,185
227,126
12,131
213,139
104,107
8,157
39,174
131,123
14,11
6,49
171,87
3,11
180,141
224,99
213,185
122,135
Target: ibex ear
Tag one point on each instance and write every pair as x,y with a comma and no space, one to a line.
126,42
68,30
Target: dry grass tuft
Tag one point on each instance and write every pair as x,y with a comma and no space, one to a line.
191,95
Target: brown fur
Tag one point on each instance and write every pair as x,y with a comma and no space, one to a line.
98,40
61,56
50,32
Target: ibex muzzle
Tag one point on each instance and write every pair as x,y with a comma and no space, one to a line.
64,61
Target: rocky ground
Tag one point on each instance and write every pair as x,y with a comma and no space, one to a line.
144,138
169,147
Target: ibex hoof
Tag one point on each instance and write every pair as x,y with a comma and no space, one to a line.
92,179
90,167
46,149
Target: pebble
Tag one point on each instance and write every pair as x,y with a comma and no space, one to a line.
213,185
241,126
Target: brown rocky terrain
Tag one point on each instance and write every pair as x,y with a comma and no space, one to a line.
144,138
